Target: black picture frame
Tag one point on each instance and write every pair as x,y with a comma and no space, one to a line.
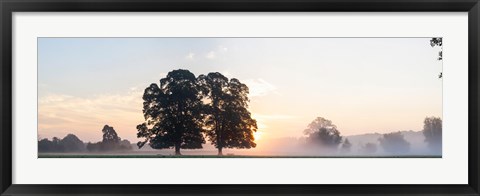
10,6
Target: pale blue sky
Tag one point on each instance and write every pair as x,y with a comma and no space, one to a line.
361,84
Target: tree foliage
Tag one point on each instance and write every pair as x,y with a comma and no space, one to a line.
323,132
432,130
110,135
173,113
394,143
228,121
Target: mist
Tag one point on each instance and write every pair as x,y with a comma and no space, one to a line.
362,145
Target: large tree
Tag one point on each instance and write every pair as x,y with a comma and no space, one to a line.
432,130
173,113
324,133
228,121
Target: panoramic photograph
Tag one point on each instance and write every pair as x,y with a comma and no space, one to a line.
226,97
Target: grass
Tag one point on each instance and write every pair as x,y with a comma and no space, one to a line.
211,156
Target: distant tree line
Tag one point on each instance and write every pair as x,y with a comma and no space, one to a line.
324,135
71,143
184,111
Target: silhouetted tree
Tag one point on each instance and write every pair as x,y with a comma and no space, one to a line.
346,146
228,120
110,139
45,145
71,143
432,130
394,143
110,135
324,132
173,113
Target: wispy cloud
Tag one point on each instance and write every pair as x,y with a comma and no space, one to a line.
63,114
190,56
216,53
259,87
211,55
223,48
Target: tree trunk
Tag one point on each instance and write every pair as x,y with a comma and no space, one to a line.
220,151
177,150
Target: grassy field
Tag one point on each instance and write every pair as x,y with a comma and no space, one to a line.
209,156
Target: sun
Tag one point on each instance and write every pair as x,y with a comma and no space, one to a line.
257,135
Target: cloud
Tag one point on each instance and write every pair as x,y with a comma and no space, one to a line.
211,55
190,56
60,114
214,54
52,98
259,87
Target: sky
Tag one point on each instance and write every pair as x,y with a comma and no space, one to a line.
363,85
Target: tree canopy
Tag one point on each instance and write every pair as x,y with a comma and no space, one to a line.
173,113
110,135
228,121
